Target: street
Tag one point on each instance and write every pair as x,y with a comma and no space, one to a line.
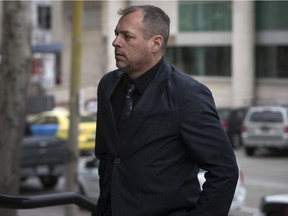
264,174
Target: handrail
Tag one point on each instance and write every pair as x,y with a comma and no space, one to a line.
39,201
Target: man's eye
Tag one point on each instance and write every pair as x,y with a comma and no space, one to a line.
127,37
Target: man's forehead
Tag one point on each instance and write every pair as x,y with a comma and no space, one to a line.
129,24
135,15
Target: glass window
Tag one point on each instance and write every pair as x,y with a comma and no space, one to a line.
204,16
271,61
202,61
266,116
44,17
271,15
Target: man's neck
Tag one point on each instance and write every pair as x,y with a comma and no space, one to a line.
134,75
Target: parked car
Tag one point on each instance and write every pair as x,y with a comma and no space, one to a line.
88,177
265,127
274,205
231,120
56,123
89,182
44,158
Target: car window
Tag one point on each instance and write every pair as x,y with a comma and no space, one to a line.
224,113
266,116
46,120
241,114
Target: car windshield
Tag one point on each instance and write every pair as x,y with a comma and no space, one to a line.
266,116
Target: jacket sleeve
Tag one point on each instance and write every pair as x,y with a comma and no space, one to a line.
208,145
101,151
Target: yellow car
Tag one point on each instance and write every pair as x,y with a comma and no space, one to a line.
56,123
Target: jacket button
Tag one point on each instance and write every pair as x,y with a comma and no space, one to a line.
117,161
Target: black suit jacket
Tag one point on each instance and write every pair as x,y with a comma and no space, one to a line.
151,170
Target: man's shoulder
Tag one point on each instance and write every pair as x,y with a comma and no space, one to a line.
185,83
111,76
183,78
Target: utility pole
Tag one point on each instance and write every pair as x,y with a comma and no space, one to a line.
73,150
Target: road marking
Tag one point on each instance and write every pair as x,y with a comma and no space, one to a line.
266,184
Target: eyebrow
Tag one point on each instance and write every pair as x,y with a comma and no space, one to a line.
122,32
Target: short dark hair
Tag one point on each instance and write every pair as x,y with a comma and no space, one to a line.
155,20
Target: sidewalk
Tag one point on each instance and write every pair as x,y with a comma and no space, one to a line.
33,187
49,211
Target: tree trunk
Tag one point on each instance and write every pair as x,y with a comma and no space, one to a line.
14,77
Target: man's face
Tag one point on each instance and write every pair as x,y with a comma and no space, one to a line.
132,51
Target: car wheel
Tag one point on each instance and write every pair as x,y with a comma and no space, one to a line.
49,181
249,151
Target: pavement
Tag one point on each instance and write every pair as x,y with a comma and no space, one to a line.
50,211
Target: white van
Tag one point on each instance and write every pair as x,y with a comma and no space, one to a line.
265,126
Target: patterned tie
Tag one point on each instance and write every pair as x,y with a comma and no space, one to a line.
128,103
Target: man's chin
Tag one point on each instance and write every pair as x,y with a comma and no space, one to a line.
120,65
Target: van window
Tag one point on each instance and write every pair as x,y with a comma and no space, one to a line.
266,116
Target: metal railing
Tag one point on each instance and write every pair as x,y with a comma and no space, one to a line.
39,201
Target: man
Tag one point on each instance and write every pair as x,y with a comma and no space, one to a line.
150,155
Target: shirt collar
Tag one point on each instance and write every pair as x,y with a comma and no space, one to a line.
143,81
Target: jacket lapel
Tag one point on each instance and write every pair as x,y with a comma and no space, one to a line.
144,107
112,127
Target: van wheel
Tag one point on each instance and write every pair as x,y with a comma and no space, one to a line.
49,181
249,151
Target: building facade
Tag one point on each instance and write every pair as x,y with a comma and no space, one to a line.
239,49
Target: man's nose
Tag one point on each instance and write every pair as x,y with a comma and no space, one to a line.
116,42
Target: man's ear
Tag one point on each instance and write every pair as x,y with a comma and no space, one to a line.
157,42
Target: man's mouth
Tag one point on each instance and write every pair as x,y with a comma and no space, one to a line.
119,55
